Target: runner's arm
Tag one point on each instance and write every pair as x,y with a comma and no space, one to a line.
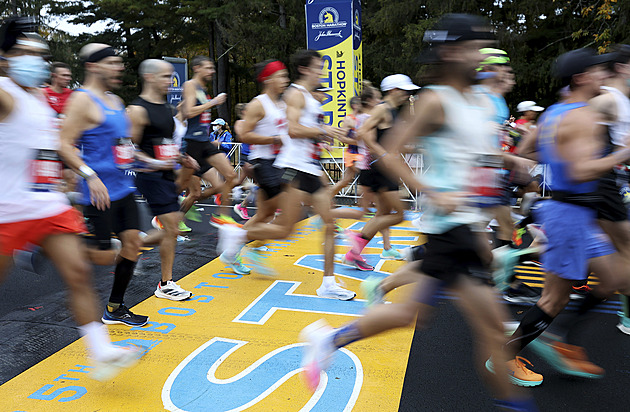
189,98
527,147
6,104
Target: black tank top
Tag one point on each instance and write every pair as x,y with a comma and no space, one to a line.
157,137
381,132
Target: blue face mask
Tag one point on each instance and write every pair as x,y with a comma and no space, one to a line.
28,70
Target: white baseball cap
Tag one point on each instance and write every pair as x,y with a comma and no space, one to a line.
398,81
527,106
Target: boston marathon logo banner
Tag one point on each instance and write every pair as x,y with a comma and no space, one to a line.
178,78
333,27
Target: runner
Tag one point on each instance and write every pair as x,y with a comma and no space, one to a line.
450,119
58,92
96,122
389,207
197,106
299,156
614,105
31,210
247,170
152,128
568,142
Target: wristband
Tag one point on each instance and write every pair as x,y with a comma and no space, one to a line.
378,158
86,172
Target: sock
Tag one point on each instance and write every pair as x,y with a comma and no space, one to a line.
589,302
361,242
112,306
163,282
122,276
98,343
346,335
328,281
533,324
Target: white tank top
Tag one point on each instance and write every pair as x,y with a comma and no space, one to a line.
28,171
303,154
273,124
620,128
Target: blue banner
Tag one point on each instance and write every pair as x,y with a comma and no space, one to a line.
179,76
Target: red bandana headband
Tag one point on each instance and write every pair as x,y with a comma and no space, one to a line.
270,69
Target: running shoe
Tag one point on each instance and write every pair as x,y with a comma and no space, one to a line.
217,199
568,359
241,211
580,291
317,351
235,264
504,259
171,291
357,261
371,288
257,263
118,359
219,220
155,222
335,291
391,254
624,323
519,374
193,214
231,241
183,227
522,294
532,263
123,316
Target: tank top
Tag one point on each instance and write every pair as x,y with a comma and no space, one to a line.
199,126
451,156
619,129
547,132
362,149
108,150
157,136
274,123
30,169
352,134
303,154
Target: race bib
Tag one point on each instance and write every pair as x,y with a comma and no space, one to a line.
165,149
486,181
46,171
124,153
204,119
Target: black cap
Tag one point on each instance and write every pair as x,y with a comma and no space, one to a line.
459,27
15,27
578,61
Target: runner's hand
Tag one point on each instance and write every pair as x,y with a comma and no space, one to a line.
219,100
333,132
189,162
99,196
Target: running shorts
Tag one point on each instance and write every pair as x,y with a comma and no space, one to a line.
160,193
122,215
17,235
201,151
573,238
612,207
301,180
268,177
350,159
452,254
376,181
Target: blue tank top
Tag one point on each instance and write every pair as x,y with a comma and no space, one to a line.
547,132
199,126
106,149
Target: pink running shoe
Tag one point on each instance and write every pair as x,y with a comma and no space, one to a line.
241,211
357,261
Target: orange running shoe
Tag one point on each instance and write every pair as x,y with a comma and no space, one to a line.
568,359
519,373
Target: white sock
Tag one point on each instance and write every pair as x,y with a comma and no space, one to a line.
328,281
98,344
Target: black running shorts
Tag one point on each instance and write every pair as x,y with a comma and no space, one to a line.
122,215
376,181
268,177
612,207
160,193
453,254
303,181
201,151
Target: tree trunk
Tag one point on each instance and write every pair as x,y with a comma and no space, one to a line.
222,79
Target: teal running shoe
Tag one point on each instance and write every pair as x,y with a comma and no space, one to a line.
372,290
236,264
258,264
391,254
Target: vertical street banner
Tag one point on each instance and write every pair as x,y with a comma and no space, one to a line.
179,76
333,27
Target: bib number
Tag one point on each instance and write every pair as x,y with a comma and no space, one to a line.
166,150
204,119
46,171
486,181
124,153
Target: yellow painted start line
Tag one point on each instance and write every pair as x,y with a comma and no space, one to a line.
234,345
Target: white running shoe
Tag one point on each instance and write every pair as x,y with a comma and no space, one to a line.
171,291
117,360
335,291
231,240
317,352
